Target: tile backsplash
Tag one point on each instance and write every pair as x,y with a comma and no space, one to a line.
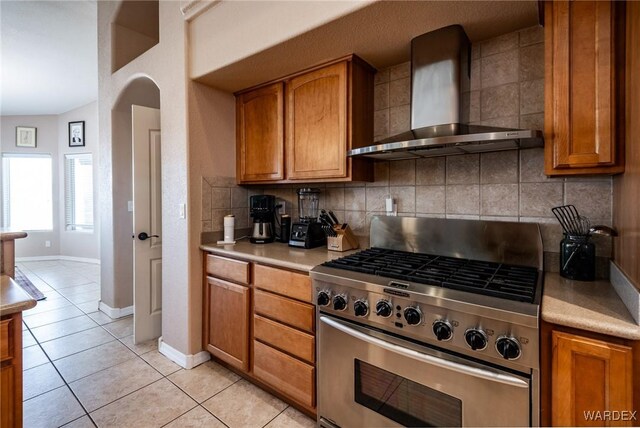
506,89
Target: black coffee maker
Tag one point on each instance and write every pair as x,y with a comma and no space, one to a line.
263,211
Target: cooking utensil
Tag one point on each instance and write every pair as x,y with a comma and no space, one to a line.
584,225
571,221
325,216
560,214
333,217
327,227
602,230
574,216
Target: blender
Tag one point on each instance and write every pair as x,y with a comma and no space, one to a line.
307,232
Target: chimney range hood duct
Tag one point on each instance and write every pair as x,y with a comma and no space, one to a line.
440,65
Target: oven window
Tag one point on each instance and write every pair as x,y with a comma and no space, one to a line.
404,401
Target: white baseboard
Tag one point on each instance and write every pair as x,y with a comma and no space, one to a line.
68,258
183,360
626,290
115,312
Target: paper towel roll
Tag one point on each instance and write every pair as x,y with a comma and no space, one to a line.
229,226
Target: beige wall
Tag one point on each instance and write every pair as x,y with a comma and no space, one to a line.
231,31
211,152
165,64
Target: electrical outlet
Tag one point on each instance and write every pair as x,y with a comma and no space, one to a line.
47,244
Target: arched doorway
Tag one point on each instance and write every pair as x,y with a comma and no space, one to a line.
136,205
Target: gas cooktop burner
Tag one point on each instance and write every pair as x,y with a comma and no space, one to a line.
491,279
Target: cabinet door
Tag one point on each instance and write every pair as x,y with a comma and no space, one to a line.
228,329
582,86
8,404
260,138
317,124
589,375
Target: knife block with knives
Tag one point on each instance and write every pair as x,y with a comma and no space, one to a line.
340,237
343,240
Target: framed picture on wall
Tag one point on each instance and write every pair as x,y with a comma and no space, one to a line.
76,134
25,136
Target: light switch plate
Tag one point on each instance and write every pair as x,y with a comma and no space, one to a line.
130,206
183,210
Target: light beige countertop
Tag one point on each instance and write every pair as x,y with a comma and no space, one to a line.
276,254
592,306
13,298
7,234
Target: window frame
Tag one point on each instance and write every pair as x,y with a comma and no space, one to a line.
70,224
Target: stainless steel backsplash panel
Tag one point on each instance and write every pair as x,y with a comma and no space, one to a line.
495,241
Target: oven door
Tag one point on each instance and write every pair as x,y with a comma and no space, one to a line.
370,379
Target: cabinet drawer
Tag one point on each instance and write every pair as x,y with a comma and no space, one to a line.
286,374
285,338
6,341
290,312
290,284
233,270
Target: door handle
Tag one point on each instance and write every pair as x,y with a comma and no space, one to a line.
143,236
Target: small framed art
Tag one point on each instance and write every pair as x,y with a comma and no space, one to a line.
76,134
25,136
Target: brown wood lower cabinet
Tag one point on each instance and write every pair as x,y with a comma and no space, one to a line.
588,379
11,370
228,326
265,330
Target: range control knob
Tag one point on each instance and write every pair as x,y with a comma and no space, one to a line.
361,308
476,339
340,302
413,315
508,347
383,309
324,298
442,329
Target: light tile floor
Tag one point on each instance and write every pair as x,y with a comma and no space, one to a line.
82,369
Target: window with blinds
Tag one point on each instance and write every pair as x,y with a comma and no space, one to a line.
78,191
27,192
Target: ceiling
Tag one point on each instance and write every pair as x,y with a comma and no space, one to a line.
49,56
380,33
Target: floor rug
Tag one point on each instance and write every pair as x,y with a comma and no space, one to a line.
31,289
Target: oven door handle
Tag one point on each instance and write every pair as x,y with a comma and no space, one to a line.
420,356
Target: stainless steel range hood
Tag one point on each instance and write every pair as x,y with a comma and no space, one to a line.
440,65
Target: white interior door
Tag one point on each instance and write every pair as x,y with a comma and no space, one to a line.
147,219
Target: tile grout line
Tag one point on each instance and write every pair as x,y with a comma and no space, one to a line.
66,384
133,352
272,419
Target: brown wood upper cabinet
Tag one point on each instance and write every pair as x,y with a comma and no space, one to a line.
302,126
584,87
260,134
317,124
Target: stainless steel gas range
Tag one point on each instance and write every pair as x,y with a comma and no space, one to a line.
432,326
